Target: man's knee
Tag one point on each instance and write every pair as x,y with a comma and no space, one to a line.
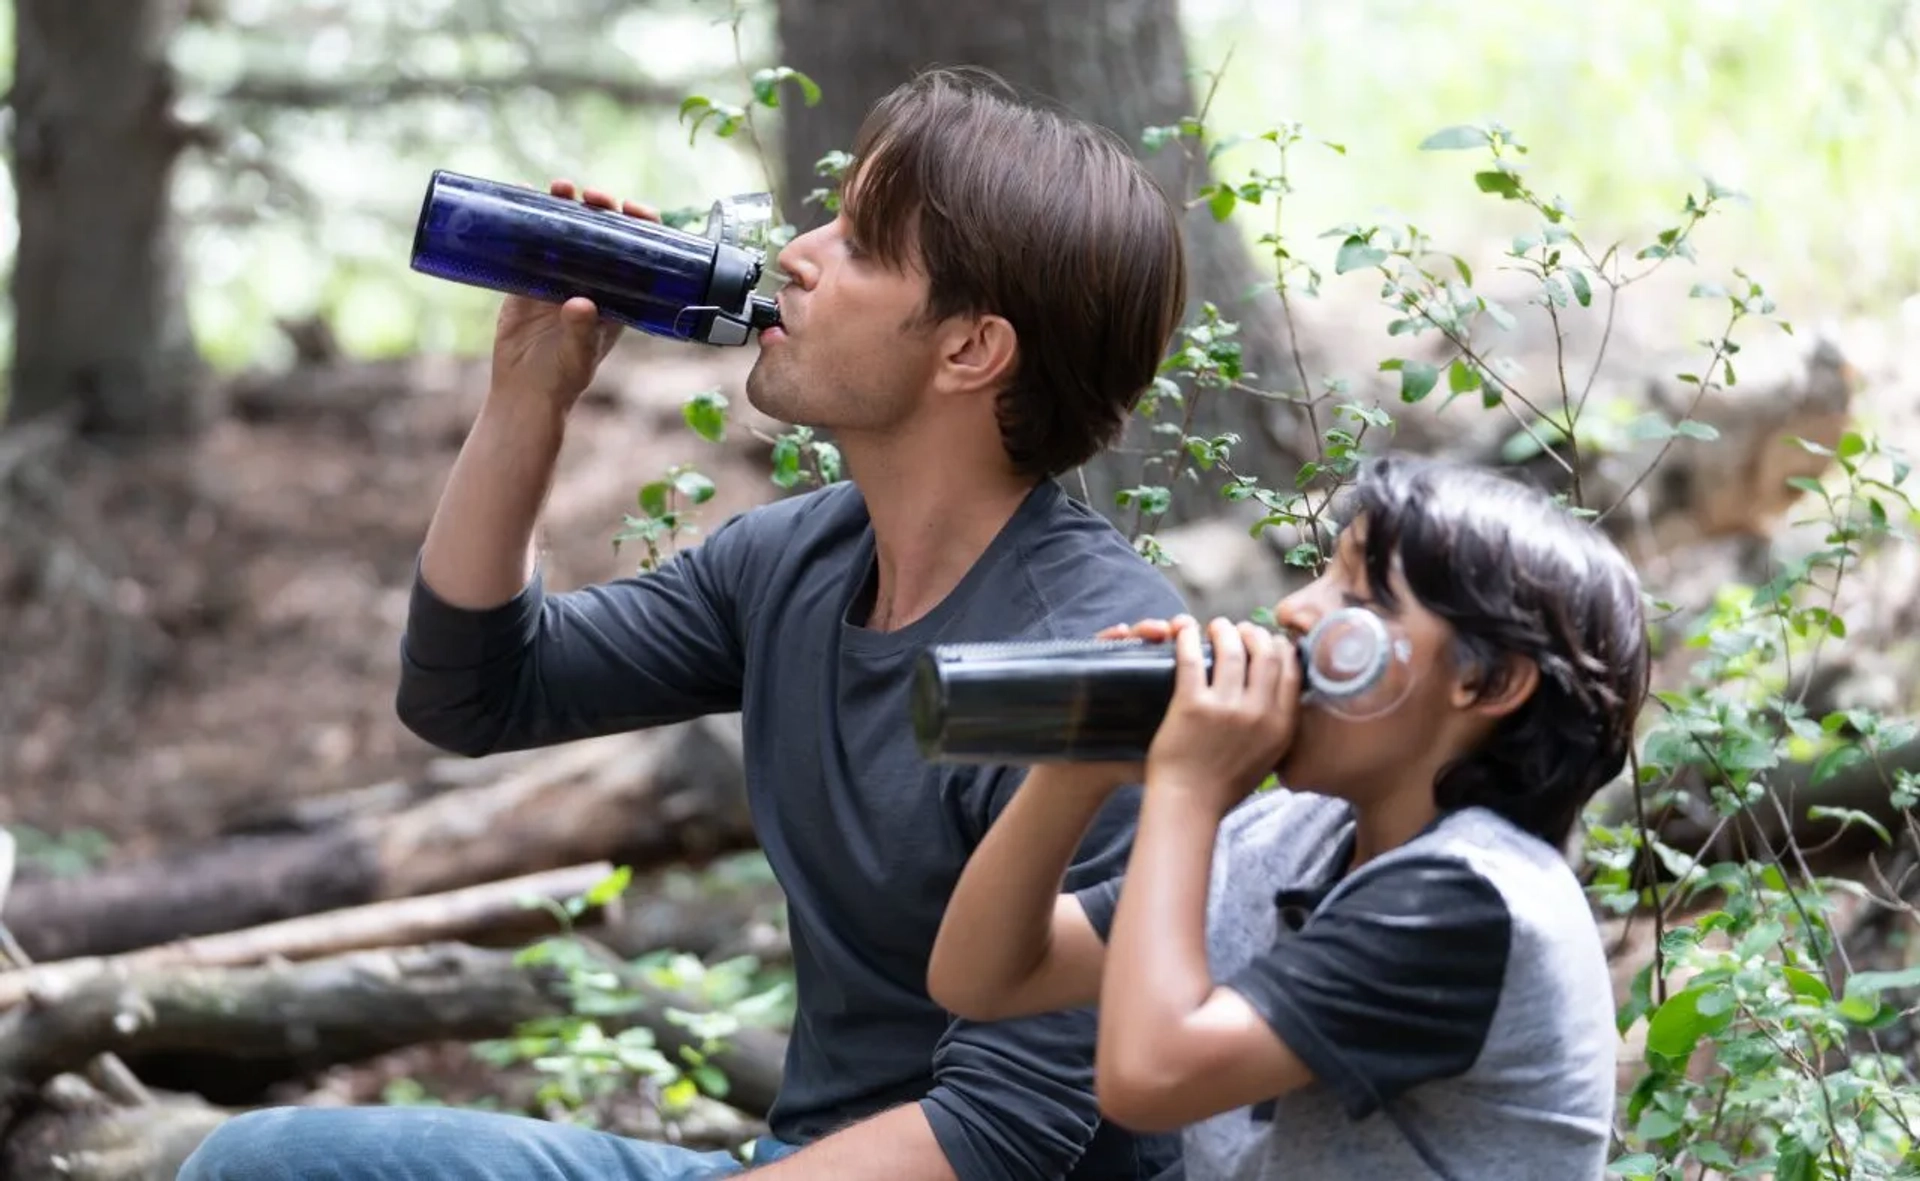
432,1144
253,1146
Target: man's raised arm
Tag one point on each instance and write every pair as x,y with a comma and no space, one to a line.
490,662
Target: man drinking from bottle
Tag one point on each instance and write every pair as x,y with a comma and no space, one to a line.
982,315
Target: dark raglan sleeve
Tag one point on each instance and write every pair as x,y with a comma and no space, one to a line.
1390,984
1014,1099
1100,900
544,668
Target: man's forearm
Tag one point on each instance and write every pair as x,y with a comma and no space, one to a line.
479,547
896,1145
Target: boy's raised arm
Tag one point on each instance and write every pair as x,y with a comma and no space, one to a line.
1011,942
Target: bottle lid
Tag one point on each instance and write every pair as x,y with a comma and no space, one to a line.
744,220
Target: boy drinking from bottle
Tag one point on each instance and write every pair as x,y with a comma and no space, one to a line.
1385,969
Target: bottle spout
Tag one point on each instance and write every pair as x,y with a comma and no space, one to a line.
762,313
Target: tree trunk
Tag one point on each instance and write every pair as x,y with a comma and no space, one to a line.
100,305
1119,63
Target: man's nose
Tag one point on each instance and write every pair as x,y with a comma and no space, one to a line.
795,260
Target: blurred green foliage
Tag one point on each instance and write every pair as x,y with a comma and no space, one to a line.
1807,108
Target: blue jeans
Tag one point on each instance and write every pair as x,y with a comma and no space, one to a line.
441,1144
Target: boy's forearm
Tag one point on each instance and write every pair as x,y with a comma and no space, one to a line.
996,936
1156,970
479,547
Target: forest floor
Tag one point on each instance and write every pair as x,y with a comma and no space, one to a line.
195,636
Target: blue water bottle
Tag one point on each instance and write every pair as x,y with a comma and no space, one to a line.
661,280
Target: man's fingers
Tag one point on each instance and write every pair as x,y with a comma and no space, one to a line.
561,188
643,212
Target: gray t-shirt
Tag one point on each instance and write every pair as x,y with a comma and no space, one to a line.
866,838
1451,997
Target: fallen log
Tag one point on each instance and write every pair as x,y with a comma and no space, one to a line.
73,1133
494,912
644,799
309,1015
699,916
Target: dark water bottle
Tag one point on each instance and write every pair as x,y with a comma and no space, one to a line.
1103,700
668,282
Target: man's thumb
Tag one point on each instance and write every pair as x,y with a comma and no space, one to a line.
580,334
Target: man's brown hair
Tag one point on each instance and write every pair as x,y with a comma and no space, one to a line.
1017,210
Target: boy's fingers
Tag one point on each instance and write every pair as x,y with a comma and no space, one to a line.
1229,659
1263,663
1189,675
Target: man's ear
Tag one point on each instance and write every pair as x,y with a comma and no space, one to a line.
1493,693
978,353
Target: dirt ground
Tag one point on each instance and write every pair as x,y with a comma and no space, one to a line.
191,637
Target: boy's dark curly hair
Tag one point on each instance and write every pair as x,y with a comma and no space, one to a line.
1515,573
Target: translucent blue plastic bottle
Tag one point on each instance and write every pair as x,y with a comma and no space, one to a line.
669,282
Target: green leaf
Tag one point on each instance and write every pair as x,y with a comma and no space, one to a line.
786,462
710,1079
1677,1026
1757,942
1417,379
695,487
766,85
1861,1010
1222,203
1849,817
1835,761
677,1094
1500,182
1795,1162
1851,444
706,414
1455,138
653,498
1466,272
1461,377
610,887
1582,288
1803,983
1638,1167
1867,984
1355,253
1695,429
1707,1152
1656,1125
1707,290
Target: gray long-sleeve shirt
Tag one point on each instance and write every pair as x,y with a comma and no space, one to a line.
865,837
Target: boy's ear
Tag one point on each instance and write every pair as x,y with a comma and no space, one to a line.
1495,693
